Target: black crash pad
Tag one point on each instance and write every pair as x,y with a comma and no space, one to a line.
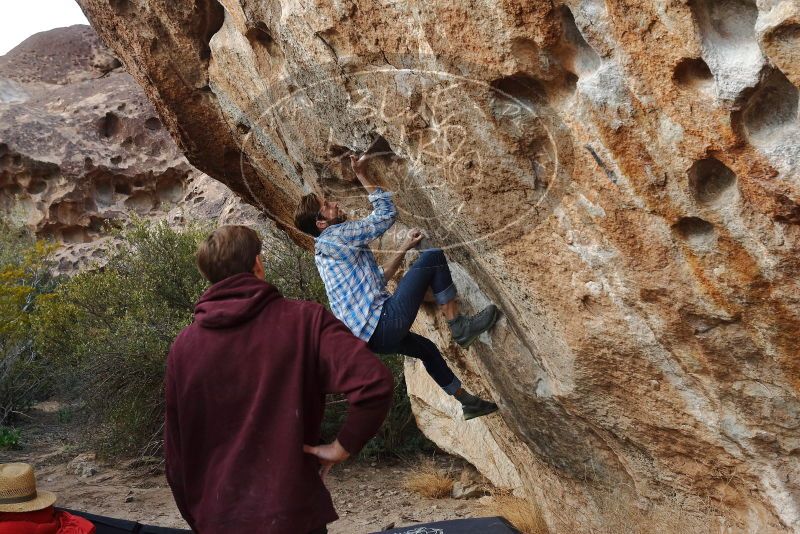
481,525
109,525
478,525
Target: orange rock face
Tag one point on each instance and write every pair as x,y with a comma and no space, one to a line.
621,177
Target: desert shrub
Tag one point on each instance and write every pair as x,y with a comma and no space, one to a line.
430,481
525,515
108,332
25,281
292,270
9,437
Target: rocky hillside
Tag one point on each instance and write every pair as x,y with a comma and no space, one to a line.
80,145
622,177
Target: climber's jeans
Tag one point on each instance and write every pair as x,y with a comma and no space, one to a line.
393,335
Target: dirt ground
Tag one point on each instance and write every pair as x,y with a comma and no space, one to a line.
369,496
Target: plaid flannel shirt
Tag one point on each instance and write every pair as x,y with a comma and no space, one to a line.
353,280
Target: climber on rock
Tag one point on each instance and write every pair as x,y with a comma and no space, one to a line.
356,286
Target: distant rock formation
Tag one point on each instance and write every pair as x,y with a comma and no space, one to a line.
621,176
80,145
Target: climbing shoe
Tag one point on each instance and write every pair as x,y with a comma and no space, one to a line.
474,406
465,329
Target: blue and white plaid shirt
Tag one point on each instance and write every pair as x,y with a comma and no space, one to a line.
353,280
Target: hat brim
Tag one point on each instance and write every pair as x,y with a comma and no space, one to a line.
43,500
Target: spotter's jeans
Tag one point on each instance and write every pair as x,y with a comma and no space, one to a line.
393,335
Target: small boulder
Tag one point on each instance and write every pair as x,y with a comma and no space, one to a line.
84,465
468,491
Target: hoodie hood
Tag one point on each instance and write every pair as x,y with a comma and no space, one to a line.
233,301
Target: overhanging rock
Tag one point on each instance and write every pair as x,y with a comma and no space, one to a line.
621,177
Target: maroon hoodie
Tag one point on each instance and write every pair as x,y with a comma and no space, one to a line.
245,389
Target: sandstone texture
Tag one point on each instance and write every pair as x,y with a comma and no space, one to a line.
81,146
622,177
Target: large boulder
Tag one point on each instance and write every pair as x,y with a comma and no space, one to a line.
81,146
621,177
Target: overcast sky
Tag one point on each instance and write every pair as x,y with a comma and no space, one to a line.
19,19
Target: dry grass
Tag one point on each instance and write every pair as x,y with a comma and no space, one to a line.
430,481
523,514
619,514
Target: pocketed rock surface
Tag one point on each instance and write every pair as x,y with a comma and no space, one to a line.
82,147
621,177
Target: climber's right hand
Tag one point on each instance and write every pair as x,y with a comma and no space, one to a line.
359,165
415,235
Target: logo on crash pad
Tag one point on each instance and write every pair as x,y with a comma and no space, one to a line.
423,530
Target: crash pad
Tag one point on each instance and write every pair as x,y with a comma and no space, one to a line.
477,525
109,525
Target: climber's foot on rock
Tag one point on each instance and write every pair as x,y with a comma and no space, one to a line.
479,409
474,406
465,329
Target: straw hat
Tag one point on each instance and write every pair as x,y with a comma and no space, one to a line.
18,490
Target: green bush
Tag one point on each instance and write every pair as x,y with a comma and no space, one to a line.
25,280
108,332
292,270
9,437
